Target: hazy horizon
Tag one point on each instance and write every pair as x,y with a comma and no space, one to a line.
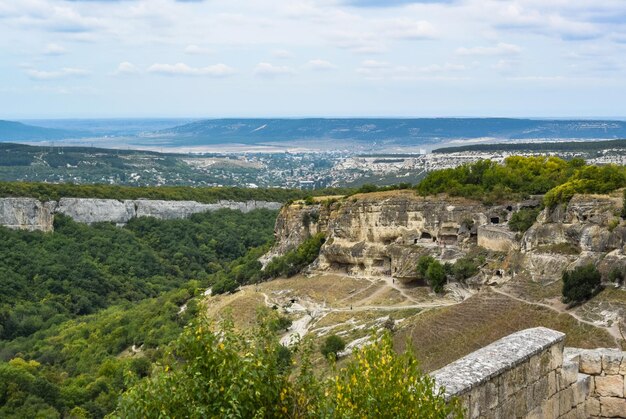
333,58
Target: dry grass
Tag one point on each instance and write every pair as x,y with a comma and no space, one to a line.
242,307
329,288
612,295
528,289
443,335
387,297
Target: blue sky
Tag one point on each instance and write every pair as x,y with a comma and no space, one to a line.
226,58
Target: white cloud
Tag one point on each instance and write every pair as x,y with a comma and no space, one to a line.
182,69
196,50
282,54
404,28
54,49
497,50
126,68
264,69
360,43
321,65
66,72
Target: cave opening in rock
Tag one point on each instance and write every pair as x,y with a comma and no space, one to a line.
495,220
426,236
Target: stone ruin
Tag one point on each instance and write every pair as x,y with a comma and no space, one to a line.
530,374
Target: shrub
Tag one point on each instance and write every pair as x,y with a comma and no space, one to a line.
333,344
379,383
295,260
523,219
422,265
224,285
617,275
436,276
217,372
581,284
465,268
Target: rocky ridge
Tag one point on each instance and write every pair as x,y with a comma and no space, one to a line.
32,214
384,234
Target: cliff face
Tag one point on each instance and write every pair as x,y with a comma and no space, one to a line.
587,230
31,214
27,214
386,233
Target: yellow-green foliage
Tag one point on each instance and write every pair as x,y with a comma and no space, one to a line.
521,176
380,383
588,179
220,373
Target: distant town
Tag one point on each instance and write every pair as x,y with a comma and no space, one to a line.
304,170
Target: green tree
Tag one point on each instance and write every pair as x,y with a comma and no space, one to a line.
523,219
332,345
465,267
436,276
581,284
423,263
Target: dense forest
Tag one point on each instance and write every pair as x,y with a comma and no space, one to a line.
561,146
77,303
518,177
53,191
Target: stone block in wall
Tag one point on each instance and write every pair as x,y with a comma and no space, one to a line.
593,406
582,388
590,362
484,398
521,401
566,400
556,356
537,393
552,383
622,368
569,374
612,407
609,385
514,380
611,361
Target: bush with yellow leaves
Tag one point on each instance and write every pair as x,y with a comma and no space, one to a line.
218,372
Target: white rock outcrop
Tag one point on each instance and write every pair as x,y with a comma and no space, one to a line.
32,214
27,214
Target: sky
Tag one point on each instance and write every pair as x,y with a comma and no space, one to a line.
308,58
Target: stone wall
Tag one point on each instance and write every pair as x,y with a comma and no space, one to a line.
32,214
606,369
529,375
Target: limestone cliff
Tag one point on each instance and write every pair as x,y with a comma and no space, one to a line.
32,214
586,230
27,214
386,233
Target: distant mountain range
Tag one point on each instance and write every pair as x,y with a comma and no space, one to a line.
398,131
363,130
16,131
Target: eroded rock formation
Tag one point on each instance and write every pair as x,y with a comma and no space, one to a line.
32,214
386,233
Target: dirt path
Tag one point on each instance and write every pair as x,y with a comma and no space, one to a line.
560,308
312,312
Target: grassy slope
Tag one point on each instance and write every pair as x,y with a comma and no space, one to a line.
443,335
